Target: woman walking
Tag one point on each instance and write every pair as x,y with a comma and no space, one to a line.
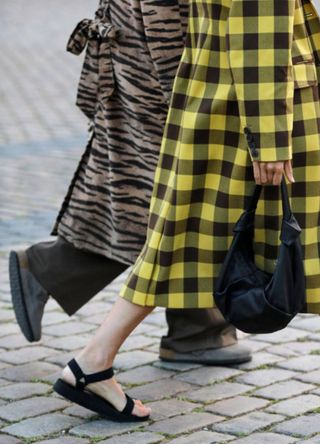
245,107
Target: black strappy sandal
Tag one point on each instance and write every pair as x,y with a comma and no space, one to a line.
90,400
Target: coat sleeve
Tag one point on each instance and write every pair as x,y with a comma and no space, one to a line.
259,37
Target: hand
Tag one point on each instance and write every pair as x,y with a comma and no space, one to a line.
271,172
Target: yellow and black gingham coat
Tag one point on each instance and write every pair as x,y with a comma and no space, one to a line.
247,88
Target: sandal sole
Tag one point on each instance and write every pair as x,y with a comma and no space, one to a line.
93,402
17,298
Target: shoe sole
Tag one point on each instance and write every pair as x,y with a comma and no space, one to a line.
18,301
170,356
93,402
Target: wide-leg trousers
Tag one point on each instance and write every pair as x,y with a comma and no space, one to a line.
73,276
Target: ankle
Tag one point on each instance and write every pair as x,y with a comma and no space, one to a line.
93,360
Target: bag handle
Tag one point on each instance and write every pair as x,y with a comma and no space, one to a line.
286,209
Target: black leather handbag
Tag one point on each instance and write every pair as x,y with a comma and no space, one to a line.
253,300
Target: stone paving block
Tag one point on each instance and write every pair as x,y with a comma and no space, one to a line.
77,410
135,342
27,354
304,426
286,335
61,359
72,342
158,390
92,308
102,428
302,363
127,360
203,437
314,440
184,423
312,377
15,341
42,425
265,438
147,373
248,423
264,377
170,407
64,440
26,408
237,405
157,332
54,317
9,328
28,372
176,366
217,391
6,439
311,323
255,346
259,359
20,390
134,438
68,328
292,349
295,406
208,375
285,389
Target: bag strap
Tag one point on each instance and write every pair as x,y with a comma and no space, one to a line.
286,209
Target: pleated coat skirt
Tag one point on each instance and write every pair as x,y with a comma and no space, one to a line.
205,175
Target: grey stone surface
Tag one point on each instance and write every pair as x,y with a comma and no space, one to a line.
64,440
26,408
302,363
103,428
203,437
6,439
127,360
159,389
217,391
184,423
295,406
284,389
208,375
237,405
248,423
145,374
304,426
29,372
171,407
134,438
41,425
26,354
265,377
20,390
266,438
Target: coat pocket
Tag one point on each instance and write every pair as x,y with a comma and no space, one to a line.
304,74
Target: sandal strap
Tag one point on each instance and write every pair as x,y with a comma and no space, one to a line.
129,406
82,379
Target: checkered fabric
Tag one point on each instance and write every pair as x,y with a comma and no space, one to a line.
246,89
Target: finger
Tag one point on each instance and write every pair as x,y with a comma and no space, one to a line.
263,172
277,177
289,171
278,171
270,171
256,172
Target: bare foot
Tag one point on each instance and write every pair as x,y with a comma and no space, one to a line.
109,389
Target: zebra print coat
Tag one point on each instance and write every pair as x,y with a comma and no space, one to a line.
133,49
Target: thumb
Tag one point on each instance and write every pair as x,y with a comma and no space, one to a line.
288,170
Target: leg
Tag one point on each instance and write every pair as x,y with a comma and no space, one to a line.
202,336
100,352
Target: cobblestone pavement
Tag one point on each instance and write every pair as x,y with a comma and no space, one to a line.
275,398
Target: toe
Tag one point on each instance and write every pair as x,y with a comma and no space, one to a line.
140,409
